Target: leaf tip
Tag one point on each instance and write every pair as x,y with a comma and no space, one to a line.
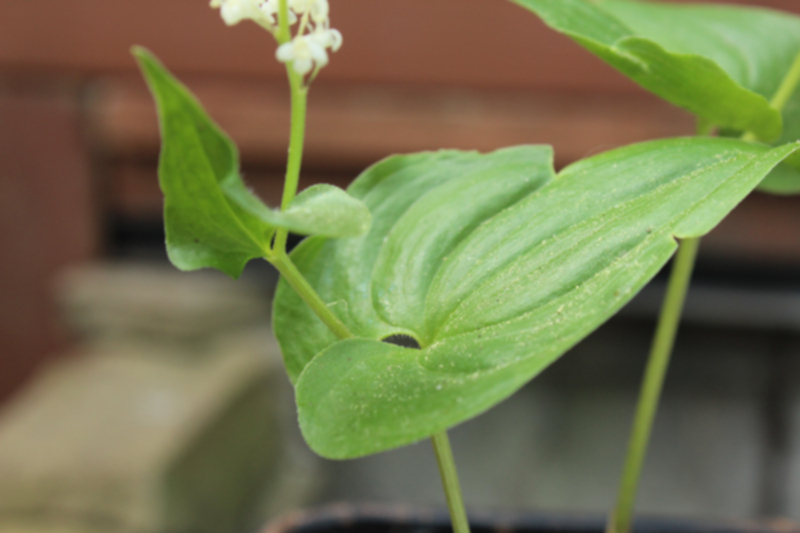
141,54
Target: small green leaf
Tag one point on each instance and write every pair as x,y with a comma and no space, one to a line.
722,63
198,165
211,218
495,268
328,211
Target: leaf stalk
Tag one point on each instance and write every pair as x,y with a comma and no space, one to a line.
452,489
304,289
621,519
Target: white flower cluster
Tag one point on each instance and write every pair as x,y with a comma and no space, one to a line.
308,50
263,12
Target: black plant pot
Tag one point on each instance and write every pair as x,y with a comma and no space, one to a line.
346,518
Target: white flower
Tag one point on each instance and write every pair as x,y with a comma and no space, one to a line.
317,9
263,12
303,52
235,11
328,38
272,8
307,52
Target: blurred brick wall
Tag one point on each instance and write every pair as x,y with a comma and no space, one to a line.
46,217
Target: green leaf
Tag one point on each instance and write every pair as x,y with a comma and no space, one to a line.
722,63
328,211
211,218
495,268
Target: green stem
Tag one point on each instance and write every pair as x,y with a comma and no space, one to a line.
452,490
785,91
653,382
622,517
277,256
788,86
296,138
301,286
296,142
299,95
284,33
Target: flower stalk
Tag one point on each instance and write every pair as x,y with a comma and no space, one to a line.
305,54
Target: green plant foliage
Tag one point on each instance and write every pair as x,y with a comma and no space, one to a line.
722,63
328,211
211,218
496,267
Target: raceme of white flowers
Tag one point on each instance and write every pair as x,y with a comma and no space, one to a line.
308,50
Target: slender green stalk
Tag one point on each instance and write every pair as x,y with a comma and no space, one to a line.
299,95
301,286
788,86
452,490
296,138
284,34
277,256
622,518
296,142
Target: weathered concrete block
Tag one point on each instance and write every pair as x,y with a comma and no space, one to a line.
125,442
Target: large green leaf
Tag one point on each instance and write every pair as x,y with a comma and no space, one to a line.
756,47
495,268
211,218
722,63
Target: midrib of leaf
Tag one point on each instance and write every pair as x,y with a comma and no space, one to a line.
380,183
186,109
368,254
524,331
520,229
668,229
473,177
577,231
551,305
372,256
